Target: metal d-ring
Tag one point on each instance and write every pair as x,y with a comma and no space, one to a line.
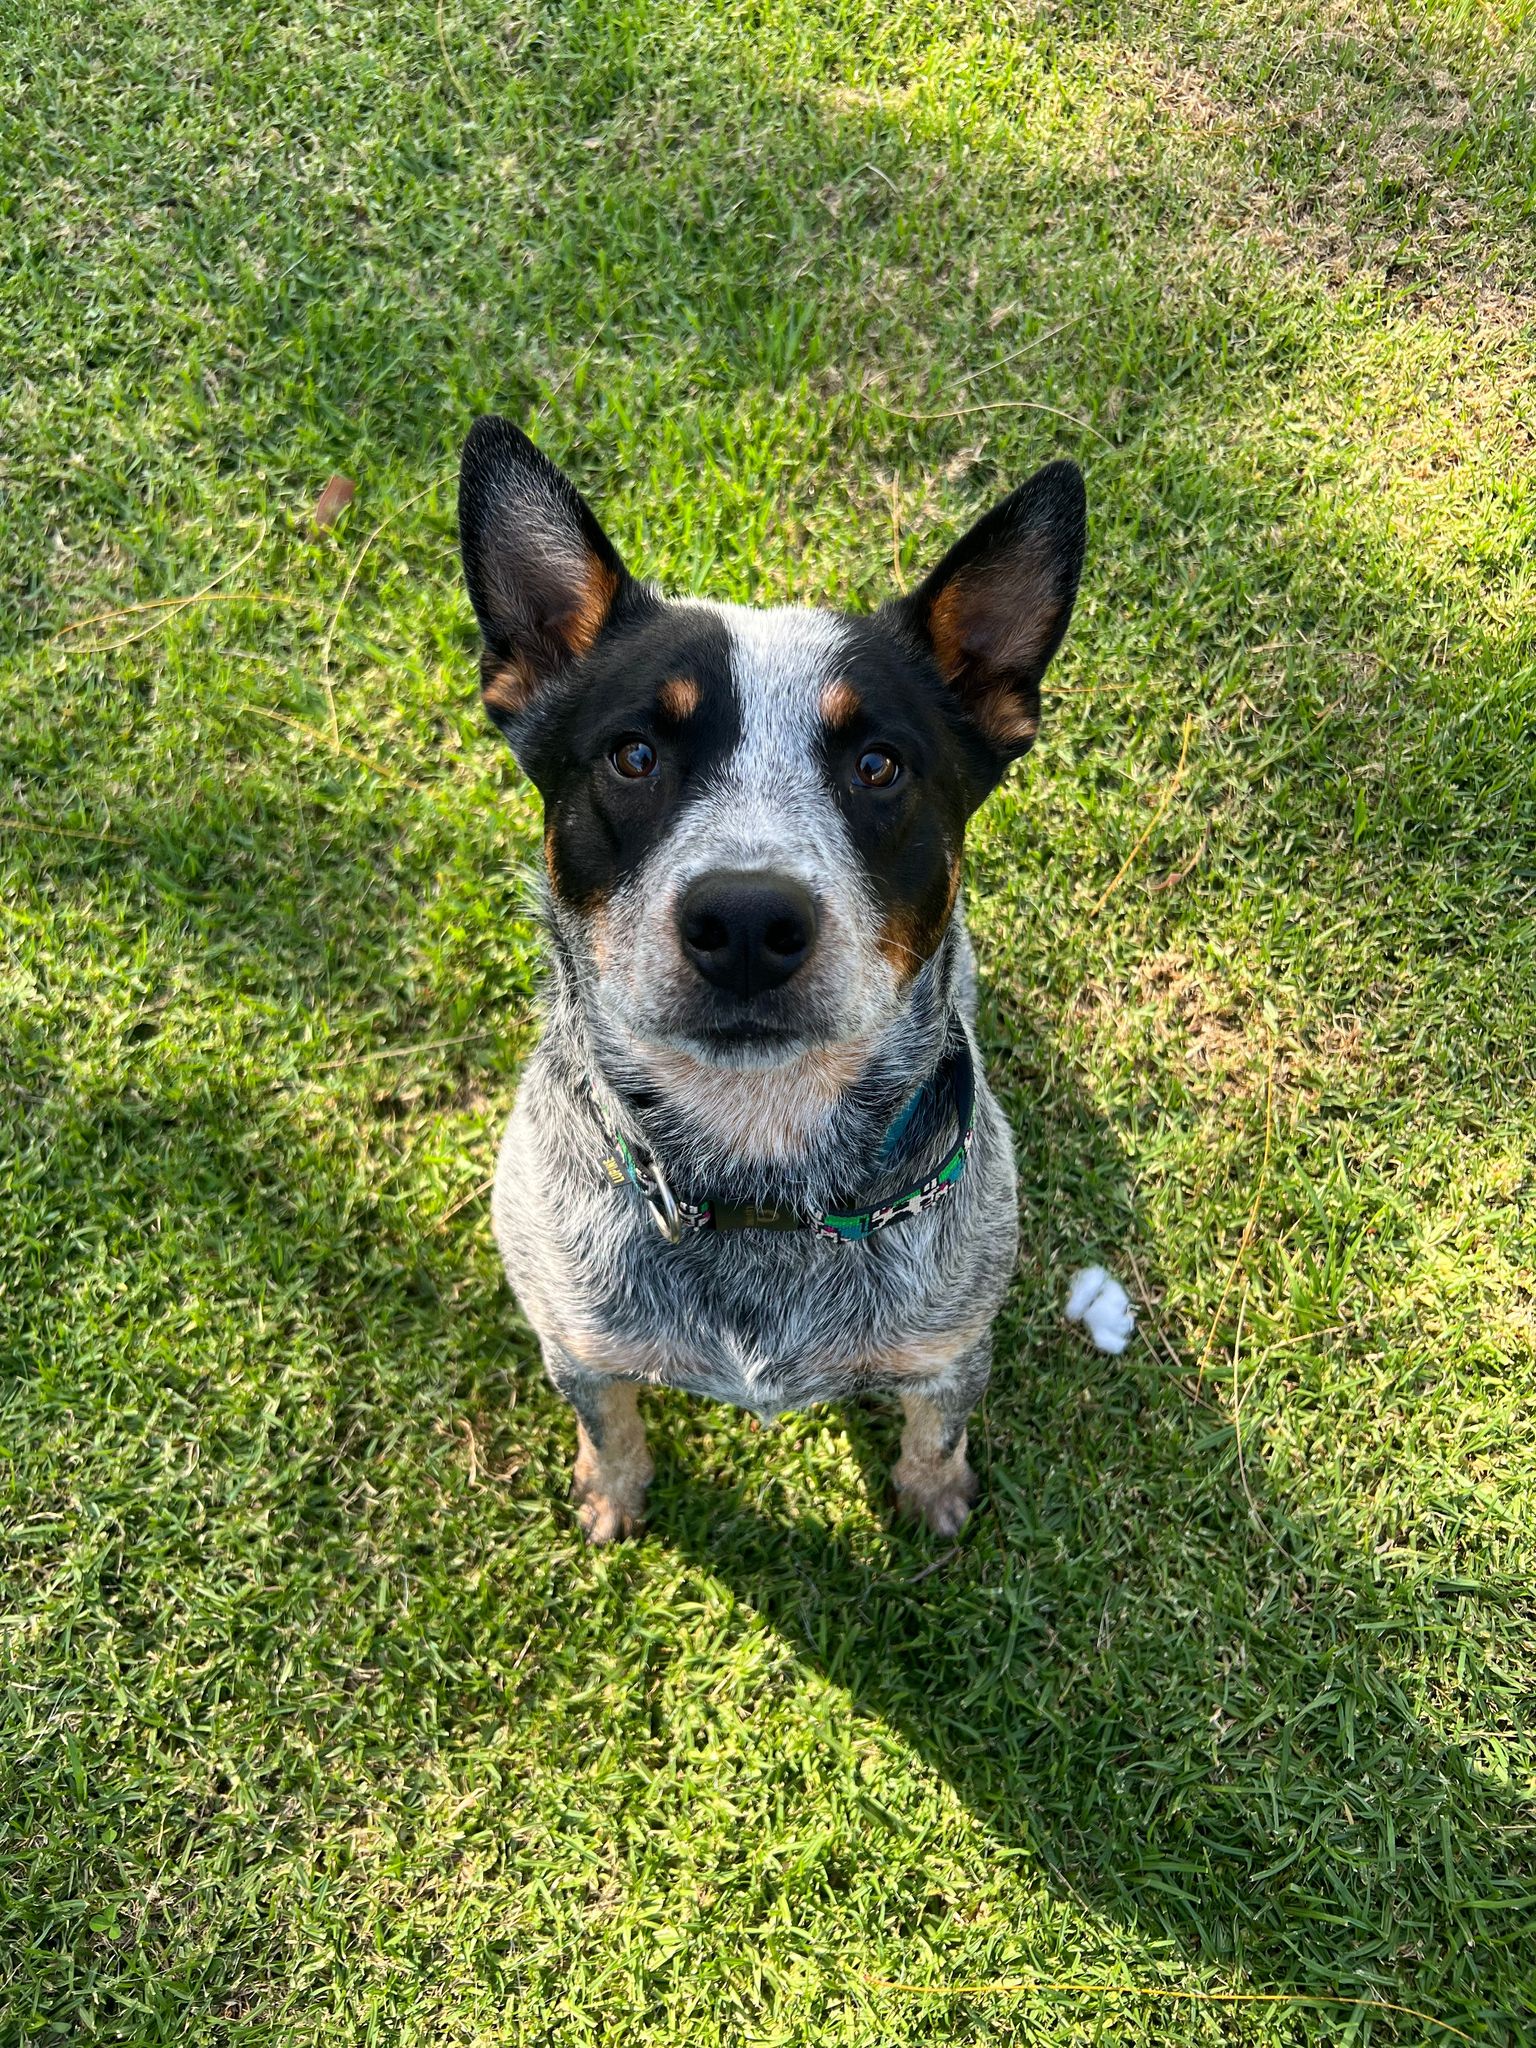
662,1203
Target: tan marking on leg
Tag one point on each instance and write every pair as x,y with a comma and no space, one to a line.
840,704
604,1356
679,698
610,1479
930,1354
933,1487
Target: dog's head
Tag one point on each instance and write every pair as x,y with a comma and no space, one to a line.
754,819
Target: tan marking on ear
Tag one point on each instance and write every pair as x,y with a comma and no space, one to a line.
1006,718
506,683
946,629
840,704
679,698
983,633
509,682
580,626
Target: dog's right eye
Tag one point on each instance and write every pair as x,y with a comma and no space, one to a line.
877,768
634,759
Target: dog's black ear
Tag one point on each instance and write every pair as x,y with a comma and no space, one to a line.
995,609
543,577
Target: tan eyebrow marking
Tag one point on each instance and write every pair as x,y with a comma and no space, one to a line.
679,698
840,703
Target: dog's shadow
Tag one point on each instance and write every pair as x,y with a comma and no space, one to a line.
1183,1695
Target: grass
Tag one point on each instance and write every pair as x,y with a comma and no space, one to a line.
318,1723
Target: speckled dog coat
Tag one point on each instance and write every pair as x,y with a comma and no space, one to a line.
752,1156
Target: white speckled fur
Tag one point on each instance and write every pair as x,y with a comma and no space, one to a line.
766,1320
796,783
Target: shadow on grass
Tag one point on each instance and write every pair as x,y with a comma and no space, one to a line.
1194,1723
1182,1694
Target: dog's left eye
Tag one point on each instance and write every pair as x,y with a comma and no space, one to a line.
634,758
876,768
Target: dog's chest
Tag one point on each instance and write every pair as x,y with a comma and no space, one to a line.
768,1320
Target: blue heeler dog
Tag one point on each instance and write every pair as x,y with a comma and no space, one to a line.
753,1156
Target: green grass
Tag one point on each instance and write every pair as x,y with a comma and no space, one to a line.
317,1722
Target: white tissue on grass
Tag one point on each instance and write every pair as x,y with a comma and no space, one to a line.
1098,1301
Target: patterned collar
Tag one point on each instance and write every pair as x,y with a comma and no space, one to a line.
673,1217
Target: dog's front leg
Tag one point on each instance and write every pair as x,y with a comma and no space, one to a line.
932,1478
613,1463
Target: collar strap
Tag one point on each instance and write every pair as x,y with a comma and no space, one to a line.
675,1218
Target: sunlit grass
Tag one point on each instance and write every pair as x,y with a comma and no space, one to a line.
319,1723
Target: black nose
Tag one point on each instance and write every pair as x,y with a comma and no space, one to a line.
747,933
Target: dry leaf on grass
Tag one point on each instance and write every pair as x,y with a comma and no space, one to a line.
333,501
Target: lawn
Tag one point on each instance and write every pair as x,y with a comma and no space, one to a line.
318,1723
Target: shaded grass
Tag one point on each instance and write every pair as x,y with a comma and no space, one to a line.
319,1723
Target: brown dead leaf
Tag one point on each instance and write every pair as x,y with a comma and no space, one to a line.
333,501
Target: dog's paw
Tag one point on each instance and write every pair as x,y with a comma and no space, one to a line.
606,1517
607,1511
1102,1306
609,1486
940,1501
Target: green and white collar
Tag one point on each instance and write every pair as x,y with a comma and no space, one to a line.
631,1164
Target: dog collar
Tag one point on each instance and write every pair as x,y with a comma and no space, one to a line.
673,1216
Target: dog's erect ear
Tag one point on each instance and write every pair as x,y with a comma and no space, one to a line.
543,577
995,609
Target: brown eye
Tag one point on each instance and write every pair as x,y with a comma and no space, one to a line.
877,768
634,758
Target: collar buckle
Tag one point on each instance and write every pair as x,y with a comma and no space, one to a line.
754,1216
661,1202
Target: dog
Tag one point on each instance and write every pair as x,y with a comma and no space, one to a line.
753,1155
